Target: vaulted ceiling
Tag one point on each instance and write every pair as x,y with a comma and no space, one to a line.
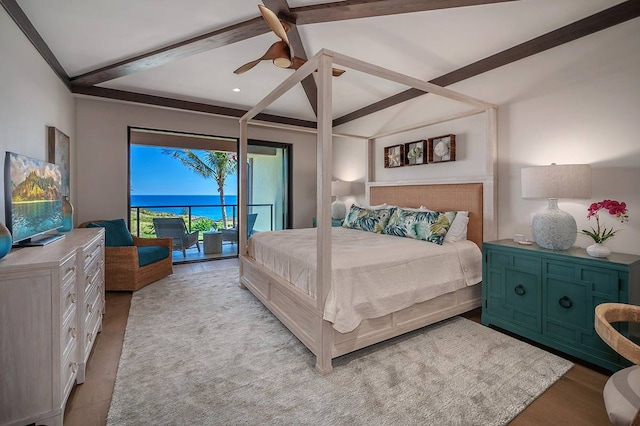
182,54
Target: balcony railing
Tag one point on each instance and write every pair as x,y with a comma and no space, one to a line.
193,213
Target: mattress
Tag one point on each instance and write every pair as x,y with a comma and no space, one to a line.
372,274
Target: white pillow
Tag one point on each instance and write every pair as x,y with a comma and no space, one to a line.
377,207
458,229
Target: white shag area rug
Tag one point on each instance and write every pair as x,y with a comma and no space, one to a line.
199,350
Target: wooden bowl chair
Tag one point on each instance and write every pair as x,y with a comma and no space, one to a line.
622,390
122,261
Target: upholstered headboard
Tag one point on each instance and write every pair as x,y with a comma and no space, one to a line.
438,197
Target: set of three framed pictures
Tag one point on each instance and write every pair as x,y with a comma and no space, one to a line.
433,150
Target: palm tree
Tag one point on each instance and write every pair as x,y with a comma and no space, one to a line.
215,165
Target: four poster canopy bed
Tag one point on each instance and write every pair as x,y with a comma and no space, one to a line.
342,289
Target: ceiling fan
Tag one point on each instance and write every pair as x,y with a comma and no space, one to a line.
281,52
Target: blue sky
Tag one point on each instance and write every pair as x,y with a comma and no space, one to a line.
155,173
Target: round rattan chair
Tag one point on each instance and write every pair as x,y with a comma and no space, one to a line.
622,390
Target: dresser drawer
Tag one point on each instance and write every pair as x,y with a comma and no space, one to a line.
69,300
512,288
93,276
68,370
92,303
92,252
68,272
69,333
91,331
572,292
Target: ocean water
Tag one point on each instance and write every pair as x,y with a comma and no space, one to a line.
201,205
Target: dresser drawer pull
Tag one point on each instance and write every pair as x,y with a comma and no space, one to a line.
89,337
72,297
519,290
89,308
71,269
73,332
74,367
565,302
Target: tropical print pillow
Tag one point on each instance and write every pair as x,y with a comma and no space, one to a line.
420,225
367,219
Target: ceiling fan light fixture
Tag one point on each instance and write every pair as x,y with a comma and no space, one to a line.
284,62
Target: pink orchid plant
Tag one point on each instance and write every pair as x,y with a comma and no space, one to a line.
614,208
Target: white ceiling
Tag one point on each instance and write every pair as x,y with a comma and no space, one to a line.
87,35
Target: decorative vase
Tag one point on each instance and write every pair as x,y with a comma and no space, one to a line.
553,228
5,240
67,215
598,250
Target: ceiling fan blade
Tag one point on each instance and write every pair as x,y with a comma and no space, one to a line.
246,67
277,50
274,23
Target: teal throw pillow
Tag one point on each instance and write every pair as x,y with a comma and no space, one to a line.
428,226
116,232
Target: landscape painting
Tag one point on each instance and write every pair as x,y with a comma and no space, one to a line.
33,196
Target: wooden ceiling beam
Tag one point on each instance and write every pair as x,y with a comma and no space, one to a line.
607,18
225,36
356,9
350,9
280,8
21,20
141,98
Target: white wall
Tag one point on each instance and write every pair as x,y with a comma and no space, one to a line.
32,97
103,159
577,103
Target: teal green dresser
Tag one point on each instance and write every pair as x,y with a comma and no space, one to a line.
550,296
335,223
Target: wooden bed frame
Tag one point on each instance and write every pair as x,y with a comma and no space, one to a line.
299,312
303,314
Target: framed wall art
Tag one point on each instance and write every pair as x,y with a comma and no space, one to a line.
394,156
415,153
441,149
59,152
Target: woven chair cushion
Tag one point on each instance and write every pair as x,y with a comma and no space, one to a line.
151,254
116,232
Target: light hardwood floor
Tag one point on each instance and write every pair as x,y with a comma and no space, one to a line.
575,399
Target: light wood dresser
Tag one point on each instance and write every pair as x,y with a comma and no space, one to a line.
51,307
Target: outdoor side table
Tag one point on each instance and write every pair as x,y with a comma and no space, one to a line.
212,242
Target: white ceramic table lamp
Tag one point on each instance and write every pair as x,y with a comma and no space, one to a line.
553,228
338,189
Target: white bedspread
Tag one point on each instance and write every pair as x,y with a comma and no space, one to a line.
372,274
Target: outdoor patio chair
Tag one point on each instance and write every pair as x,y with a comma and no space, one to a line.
174,227
231,234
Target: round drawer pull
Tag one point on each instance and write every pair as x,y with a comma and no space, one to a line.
72,297
89,308
565,302
73,332
74,367
519,290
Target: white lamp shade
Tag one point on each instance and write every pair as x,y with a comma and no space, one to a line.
340,188
557,181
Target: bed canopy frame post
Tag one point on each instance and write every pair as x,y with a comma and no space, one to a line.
243,188
323,194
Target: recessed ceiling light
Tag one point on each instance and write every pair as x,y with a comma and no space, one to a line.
237,89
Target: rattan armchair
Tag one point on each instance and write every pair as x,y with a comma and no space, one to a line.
122,270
